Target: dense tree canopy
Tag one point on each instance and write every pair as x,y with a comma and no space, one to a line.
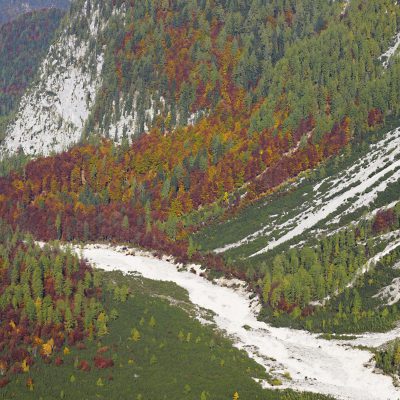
48,299
238,97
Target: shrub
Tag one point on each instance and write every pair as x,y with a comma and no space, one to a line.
84,366
103,363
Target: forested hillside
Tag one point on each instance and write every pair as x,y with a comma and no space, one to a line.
257,138
253,135
11,9
170,64
48,299
23,44
287,61
323,250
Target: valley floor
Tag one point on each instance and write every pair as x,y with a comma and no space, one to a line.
300,359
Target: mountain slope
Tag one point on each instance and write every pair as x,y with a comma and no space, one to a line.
51,115
170,65
255,140
10,9
143,79
318,203
23,43
323,251
235,163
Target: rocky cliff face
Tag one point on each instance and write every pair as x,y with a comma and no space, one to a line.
71,95
53,112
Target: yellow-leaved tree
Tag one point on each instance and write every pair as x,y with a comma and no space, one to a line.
135,335
25,366
47,348
396,357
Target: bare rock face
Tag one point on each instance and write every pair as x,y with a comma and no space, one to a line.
52,113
